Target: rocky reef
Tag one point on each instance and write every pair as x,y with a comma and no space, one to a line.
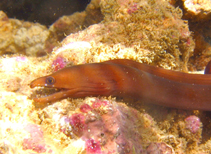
21,37
198,14
147,31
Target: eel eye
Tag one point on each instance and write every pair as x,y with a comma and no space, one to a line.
50,80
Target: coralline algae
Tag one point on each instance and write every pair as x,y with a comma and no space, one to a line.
193,123
93,146
106,127
35,141
58,63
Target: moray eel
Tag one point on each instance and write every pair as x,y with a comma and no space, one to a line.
129,79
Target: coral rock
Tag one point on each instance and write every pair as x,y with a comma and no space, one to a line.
193,123
21,37
35,142
197,9
107,128
159,148
148,31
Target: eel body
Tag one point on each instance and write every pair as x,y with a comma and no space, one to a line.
129,79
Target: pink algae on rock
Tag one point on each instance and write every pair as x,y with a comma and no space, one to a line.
21,59
98,103
193,123
132,8
93,147
58,63
85,108
36,141
78,124
107,128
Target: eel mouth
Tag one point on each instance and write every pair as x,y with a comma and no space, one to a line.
47,92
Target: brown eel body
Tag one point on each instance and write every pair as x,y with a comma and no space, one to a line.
127,78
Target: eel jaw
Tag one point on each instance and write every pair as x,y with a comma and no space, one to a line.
46,94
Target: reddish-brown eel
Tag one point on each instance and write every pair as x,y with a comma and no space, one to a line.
129,79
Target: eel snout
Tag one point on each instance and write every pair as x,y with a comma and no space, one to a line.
46,91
